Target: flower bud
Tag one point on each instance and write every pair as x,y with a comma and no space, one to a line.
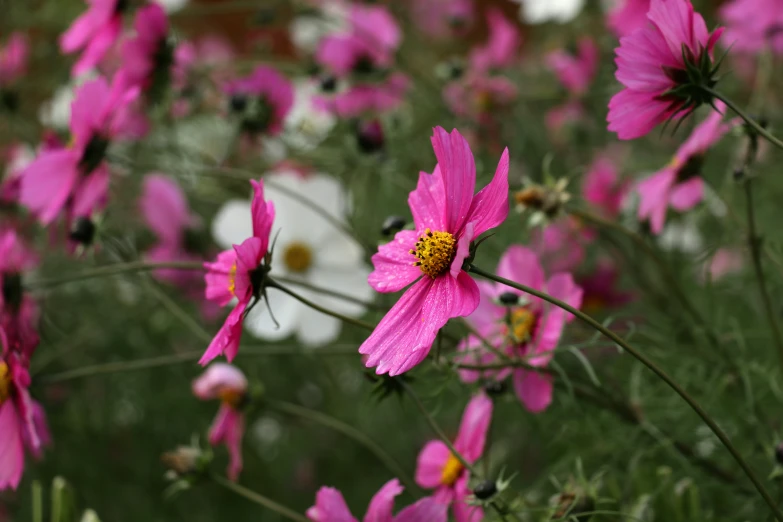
485,489
369,136
508,298
495,388
238,102
779,454
392,225
82,231
328,83
184,460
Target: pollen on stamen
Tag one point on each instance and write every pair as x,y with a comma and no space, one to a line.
434,252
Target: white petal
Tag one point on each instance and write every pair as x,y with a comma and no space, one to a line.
287,311
540,11
172,6
348,280
335,248
317,329
232,224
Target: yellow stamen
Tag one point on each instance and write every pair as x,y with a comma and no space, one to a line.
232,397
232,279
521,322
5,382
675,163
298,257
435,251
451,471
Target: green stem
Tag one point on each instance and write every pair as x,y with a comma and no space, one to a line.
754,242
319,308
655,369
259,499
349,431
115,269
329,292
750,121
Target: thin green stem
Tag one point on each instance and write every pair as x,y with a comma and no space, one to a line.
750,121
319,308
439,432
329,292
259,499
114,269
754,243
655,369
351,432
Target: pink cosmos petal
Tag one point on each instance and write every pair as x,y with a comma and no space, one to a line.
654,197
13,58
11,447
533,389
226,341
430,463
463,512
47,183
98,46
249,256
228,428
473,428
263,214
686,195
634,114
463,250
338,53
428,202
330,506
270,85
425,510
92,192
217,277
39,428
472,352
382,503
627,16
405,335
705,135
376,25
601,187
489,207
87,111
501,48
458,169
28,413
394,268
164,207
218,377
678,24
550,328
520,264
575,72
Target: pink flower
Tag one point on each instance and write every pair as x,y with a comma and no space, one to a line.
263,99
501,48
94,32
22,420
679,184
148,50
561,244
233,275
576,73
19,156
664,66
18,311
437,468
521,325
165,210
77,175
443,18
477,96
754,25
13,59
603,188
330,507
363,98
724,262
227,383
627,16
448,217
600,288
562,116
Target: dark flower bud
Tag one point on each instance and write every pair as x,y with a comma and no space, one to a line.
328,83
485,489
508,298
739,174
392,225
779,454
363,65
82,231
12,290
369,136
495,388
238,102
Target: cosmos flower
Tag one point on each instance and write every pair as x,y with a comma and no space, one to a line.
442,19
501,48
626,16
560,11
603,188
309,249
679,185
22,420
575,72
448,217
94,32
235,275
437,468
13,59
753,25
664,67
227,383
522,326
18,311
373,98
261,100
147,52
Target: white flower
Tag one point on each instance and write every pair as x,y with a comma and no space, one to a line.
306,31
540,11
306,125
308,248
172,6
683,235
56,112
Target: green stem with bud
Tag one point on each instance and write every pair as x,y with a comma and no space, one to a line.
259,499
655,369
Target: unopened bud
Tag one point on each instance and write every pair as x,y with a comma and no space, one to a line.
485,489
82,231
185,460
495,388
508,298
392,225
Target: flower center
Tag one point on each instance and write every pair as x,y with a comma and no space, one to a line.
451,471
521,322
435,251
5,382
298,257
232,279
232,397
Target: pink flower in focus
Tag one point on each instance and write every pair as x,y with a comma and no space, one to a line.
521,325
18,311
264,99
448,217
443,18
754,25
627,16
94,32
78,176
651,64
13,59
501,48
164,209
232,276
437,468
148,49
679,184
22,420
330,506
603,188
227,383
576,73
